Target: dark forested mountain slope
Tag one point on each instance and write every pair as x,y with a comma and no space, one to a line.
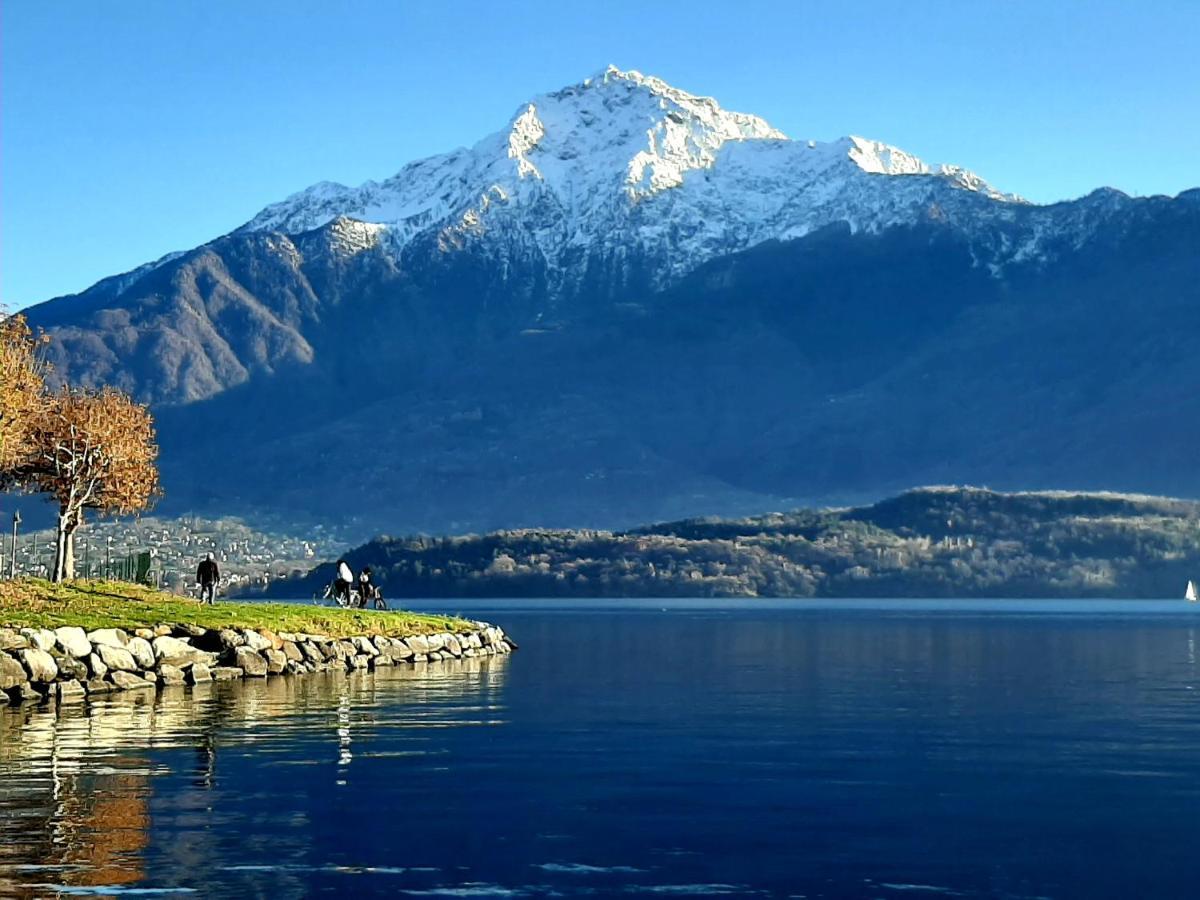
934,542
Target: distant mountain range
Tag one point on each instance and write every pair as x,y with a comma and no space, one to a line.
633,305
933,542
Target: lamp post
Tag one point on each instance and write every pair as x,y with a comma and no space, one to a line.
12,559
108,557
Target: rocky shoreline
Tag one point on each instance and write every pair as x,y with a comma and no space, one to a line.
69,664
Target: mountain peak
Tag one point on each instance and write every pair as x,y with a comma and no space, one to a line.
624,163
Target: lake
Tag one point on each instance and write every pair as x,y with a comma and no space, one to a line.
905,749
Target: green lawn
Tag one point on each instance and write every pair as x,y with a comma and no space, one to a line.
34,603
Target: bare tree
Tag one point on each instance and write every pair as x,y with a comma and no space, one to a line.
92,450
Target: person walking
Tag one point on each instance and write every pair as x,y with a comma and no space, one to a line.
208,575
343,582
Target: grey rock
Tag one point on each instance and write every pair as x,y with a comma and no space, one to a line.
383,644
166,647
469,652
170,674
418,644
401,650
228,673
40,638
295,668
98,686
128,681
146,634
96,665
250,662
12,673
230,639
420,658
382,659
453,646
364,646
189,631
435,641
292,652
199,674
11,640
73,641
39,664
362,661
108,637
69,691
435,655
345,649
142,652
256,641
312,652
71,669
163,630
276,661
288,636
117,658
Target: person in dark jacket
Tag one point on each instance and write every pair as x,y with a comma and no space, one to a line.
208,575
366,590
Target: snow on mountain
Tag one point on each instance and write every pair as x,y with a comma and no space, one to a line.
625,164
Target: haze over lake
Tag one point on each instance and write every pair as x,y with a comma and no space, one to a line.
902,749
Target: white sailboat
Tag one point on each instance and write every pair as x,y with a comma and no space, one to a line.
1190,594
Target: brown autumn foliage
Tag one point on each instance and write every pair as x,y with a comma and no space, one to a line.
22,390
91,450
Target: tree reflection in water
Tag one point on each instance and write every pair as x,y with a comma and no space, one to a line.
77,781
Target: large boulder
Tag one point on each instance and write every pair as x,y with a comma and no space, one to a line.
227,673
364,646
116,658
39,664
73,641
166,647
276,661
418,644
453,646
71,669
98,686
108,637
200,673
292,652
127,681
10,640
275,639
96,665
170,674
312,652
142,652
69,691
256,641
12,673
250,662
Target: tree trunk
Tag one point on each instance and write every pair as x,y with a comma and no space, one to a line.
64,547
60,548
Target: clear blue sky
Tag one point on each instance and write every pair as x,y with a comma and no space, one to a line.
130,129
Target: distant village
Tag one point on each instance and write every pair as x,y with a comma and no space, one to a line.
166,551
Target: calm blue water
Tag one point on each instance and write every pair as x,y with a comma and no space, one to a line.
786,750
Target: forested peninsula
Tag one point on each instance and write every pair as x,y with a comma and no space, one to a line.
928,542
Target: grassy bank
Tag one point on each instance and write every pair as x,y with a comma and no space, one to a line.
35,603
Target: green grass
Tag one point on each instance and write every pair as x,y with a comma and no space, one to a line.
35,603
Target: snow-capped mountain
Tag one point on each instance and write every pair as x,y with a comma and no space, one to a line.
630,304
624,164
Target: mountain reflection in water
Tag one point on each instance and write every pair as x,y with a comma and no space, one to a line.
885,749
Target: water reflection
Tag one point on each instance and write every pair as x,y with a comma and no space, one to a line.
78,782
